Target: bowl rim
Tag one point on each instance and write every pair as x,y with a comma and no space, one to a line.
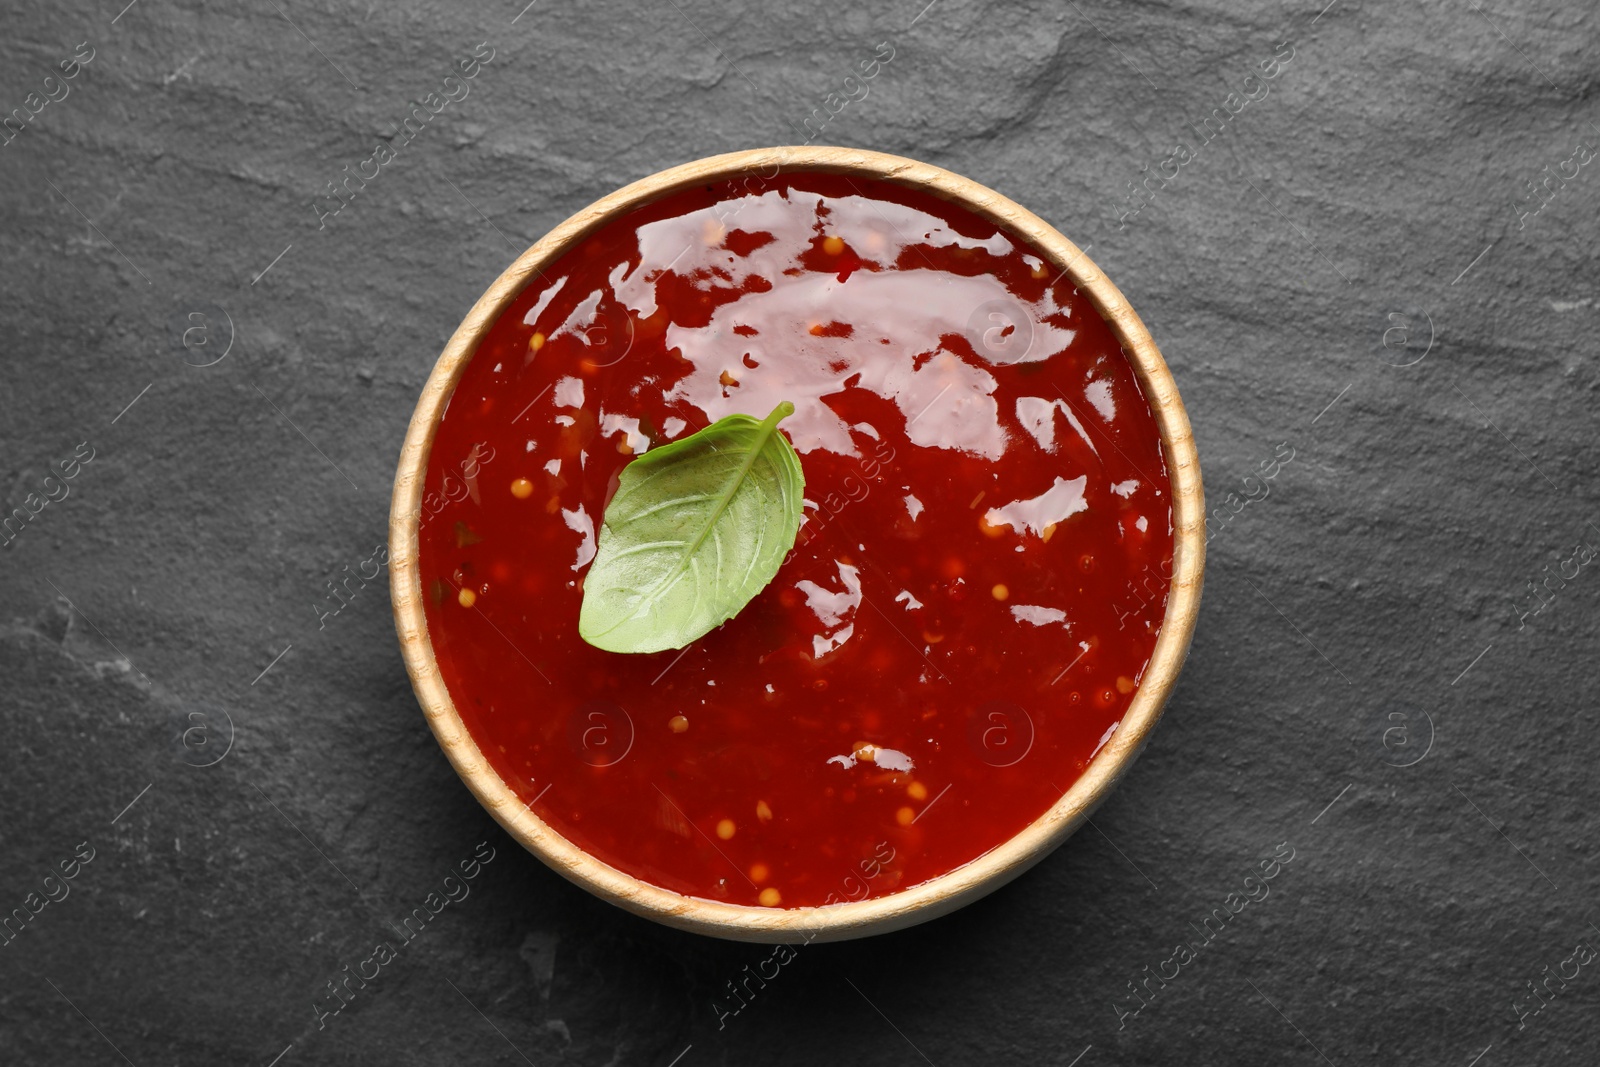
913,904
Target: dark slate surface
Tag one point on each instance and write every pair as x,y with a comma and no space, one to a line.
1352,270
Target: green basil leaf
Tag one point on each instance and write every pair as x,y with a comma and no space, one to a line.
696,529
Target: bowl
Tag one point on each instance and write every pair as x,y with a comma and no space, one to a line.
916,903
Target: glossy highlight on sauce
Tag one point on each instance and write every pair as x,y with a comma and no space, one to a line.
978,583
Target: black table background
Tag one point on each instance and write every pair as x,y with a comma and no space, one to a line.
1375,188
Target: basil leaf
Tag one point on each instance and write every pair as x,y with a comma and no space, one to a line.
696,529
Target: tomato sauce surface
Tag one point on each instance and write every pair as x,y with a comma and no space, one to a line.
976,590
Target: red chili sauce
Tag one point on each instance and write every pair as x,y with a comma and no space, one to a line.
979,579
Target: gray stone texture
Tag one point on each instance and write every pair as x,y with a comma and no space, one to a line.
1380,586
